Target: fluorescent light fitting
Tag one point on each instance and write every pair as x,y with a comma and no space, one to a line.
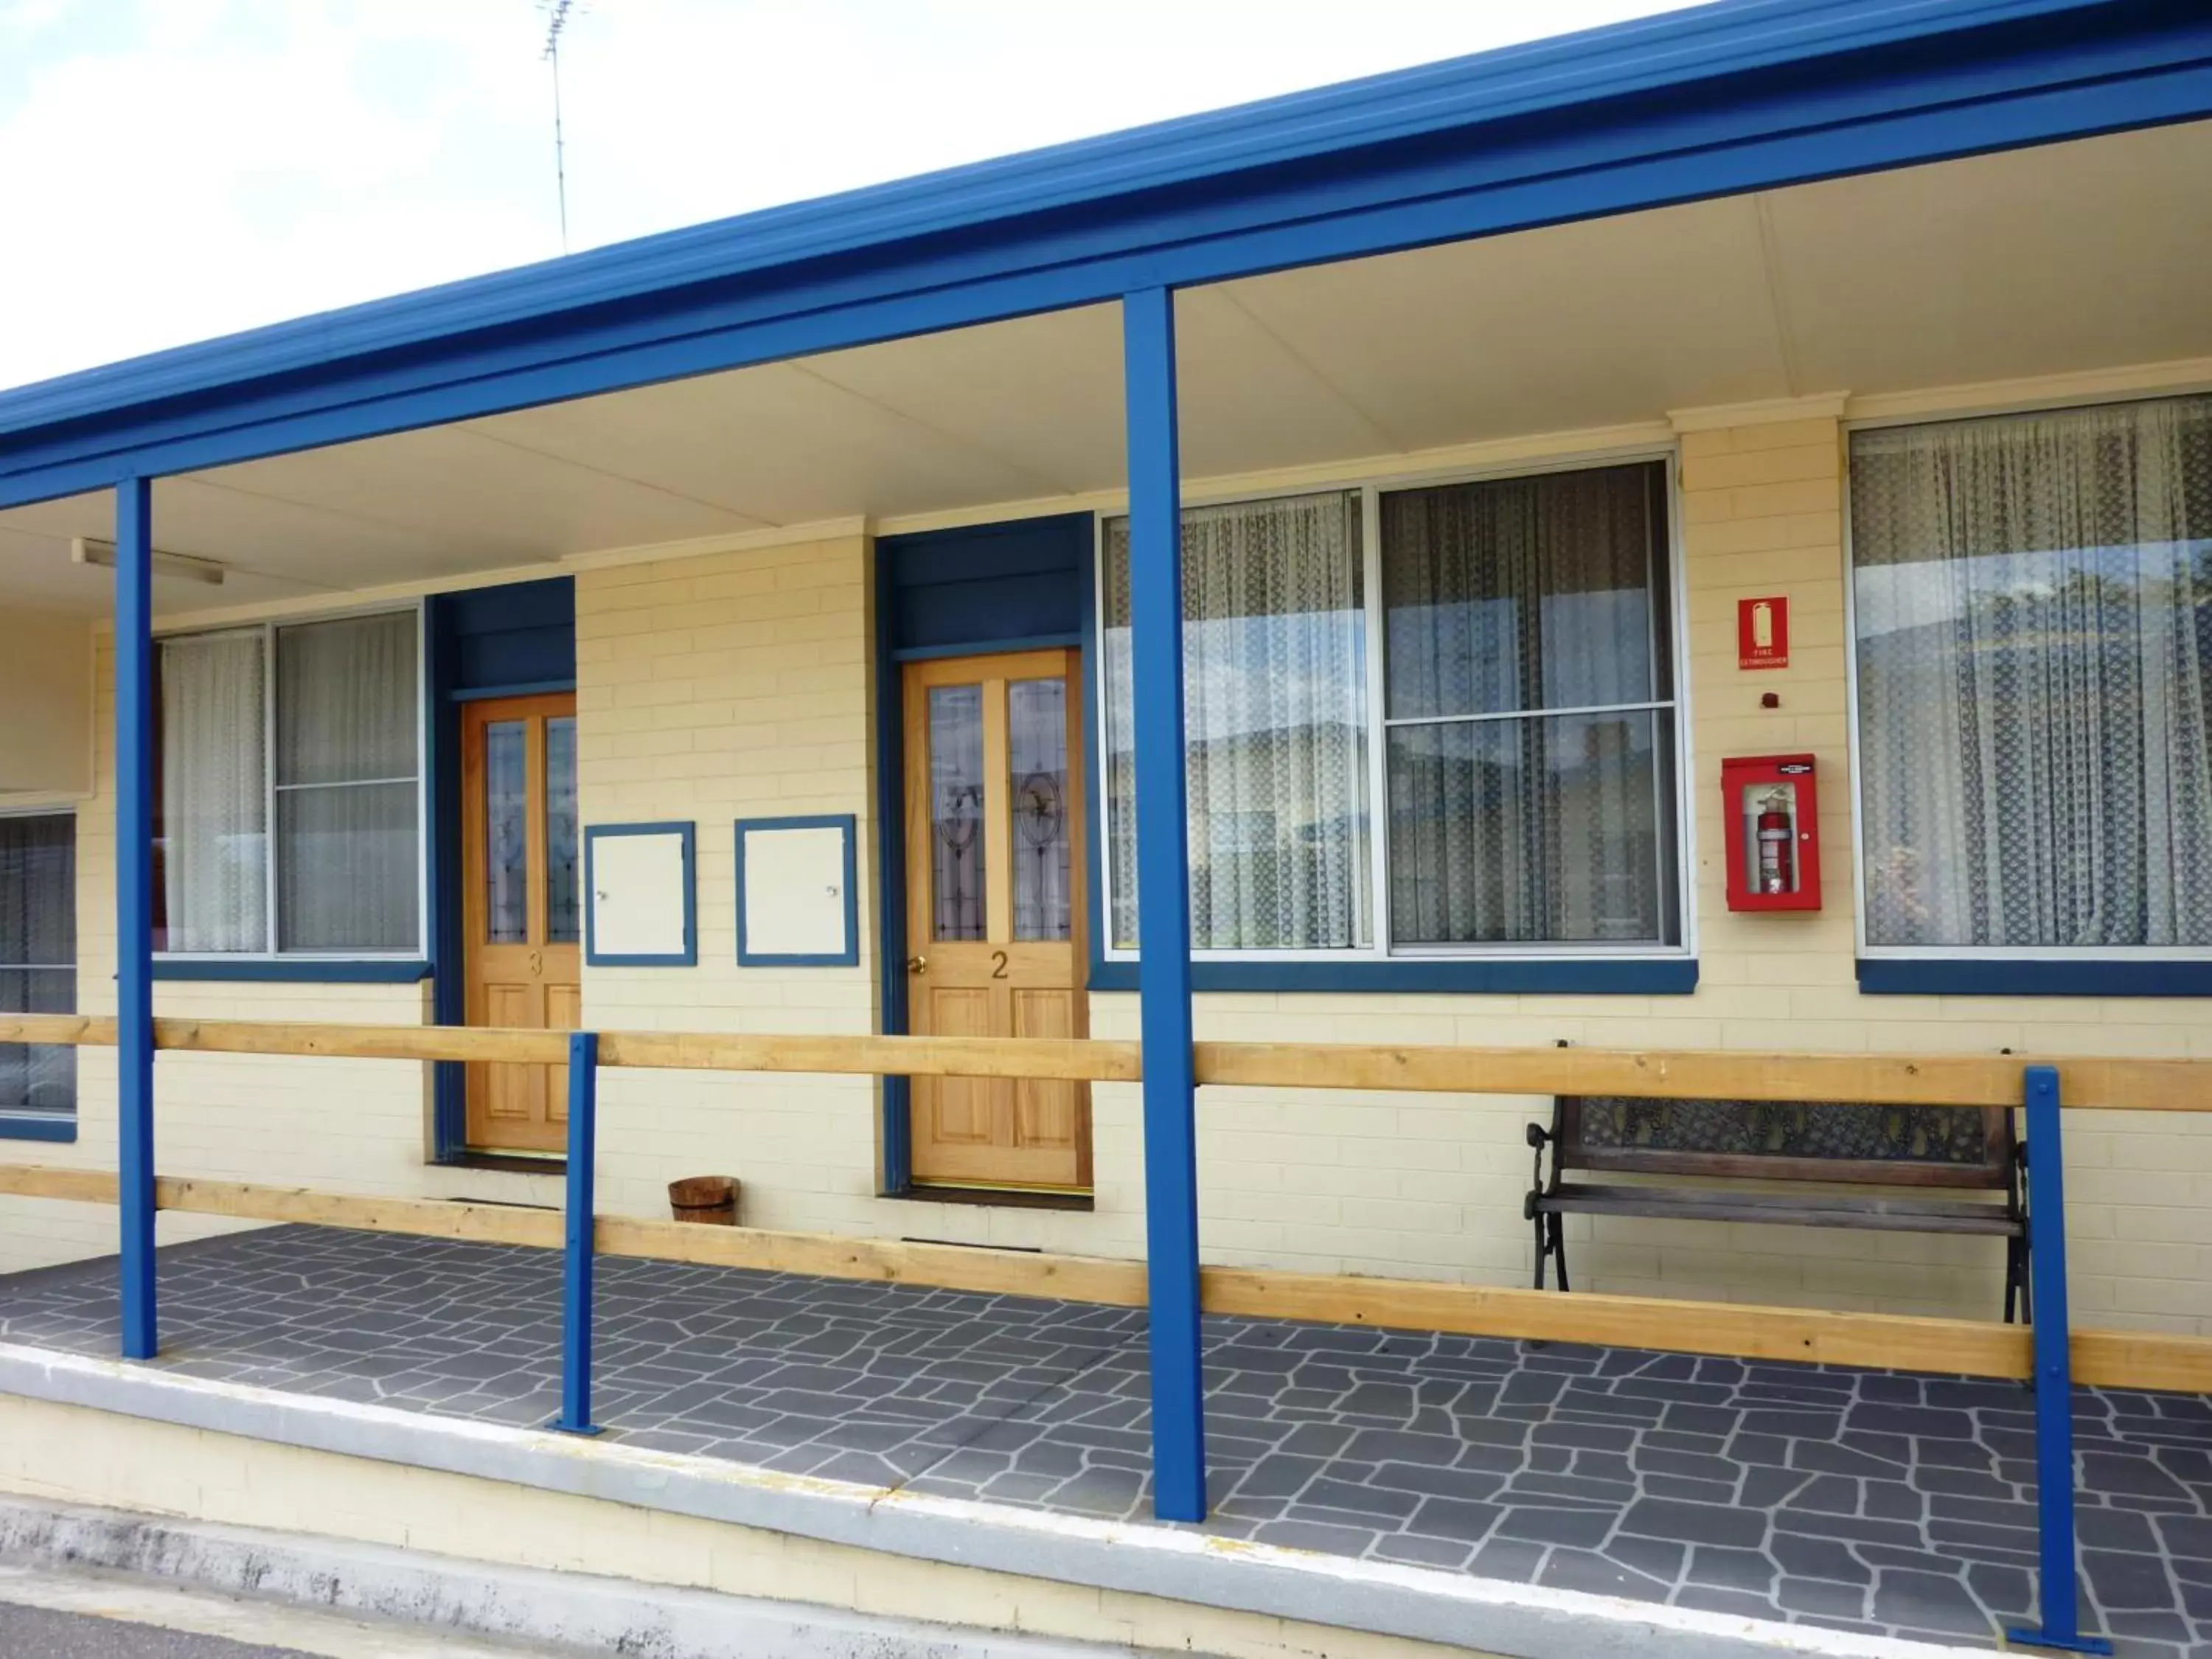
87,550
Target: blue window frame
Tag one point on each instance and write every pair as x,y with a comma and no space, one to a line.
38,971
290,818
845,952
1433,740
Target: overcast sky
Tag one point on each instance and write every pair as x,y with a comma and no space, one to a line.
175,169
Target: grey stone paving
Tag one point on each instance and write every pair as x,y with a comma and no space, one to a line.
1862,1500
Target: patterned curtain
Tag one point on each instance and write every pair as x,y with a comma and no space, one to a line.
1275,686
1503,600
2034,633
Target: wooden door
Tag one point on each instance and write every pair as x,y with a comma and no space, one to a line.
995,910
523,907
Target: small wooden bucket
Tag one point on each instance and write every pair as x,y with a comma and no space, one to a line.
709,1199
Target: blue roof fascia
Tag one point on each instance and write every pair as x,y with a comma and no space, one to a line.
1469,147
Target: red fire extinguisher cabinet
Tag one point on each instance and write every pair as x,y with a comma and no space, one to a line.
1771,815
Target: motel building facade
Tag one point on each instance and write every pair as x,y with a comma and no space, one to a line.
1695,539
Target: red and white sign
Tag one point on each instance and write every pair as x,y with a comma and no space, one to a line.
1762,633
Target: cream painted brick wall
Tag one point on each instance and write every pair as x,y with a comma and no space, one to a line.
708,690
737,684
1390,1185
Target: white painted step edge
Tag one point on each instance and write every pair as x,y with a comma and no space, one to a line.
1179,1563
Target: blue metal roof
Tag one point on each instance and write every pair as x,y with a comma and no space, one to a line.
1738,95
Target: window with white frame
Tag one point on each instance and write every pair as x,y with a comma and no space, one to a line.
1520,726
2032,624
37,959
290,790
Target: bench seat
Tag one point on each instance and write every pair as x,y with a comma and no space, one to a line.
1920,1168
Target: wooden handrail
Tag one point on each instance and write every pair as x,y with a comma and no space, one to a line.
1963,1347
2171,1085
2119,1085
1069,1058
1078,1060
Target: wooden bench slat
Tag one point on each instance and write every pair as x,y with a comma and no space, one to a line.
1787,1210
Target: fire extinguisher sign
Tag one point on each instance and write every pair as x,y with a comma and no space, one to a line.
1762,633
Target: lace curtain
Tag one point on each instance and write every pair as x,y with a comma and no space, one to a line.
1502,600
2033,605
1274,680
214,794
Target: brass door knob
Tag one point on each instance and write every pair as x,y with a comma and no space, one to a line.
917,964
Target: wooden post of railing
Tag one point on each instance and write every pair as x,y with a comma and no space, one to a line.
134,912
577,1280
2057,1595
1163,905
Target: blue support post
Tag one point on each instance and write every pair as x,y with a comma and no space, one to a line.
1163,906
576,1308
134,909
2057,1592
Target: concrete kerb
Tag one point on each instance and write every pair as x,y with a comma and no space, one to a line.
543,1608
1171,1563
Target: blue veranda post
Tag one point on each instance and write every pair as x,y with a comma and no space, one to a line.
1163,906
2057,1592
134,909
578,1279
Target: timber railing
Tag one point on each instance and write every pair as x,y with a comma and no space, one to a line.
2120,1084
2048,1353
2135,1360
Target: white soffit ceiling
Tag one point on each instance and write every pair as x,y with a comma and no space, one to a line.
1583,325
2082,256
2079,256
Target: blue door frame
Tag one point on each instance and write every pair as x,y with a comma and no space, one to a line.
512,639
1022,585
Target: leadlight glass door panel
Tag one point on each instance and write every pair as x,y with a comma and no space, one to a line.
521,908
996,911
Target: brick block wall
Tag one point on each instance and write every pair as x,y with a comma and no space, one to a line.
709,689
736,684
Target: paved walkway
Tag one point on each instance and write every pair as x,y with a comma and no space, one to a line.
1861,1500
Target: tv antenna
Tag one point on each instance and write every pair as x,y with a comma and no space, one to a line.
556,19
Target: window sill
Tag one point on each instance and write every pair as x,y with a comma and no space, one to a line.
2039,977
1524,976
26,1126
296,970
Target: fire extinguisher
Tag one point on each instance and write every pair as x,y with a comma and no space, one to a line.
1777,851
